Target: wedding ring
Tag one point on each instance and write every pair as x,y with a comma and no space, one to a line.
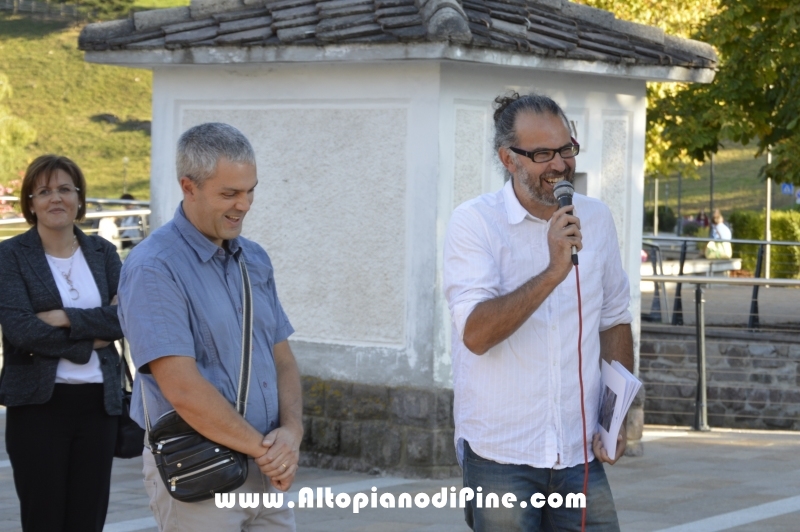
284,467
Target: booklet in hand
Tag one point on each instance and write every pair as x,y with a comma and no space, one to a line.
618,390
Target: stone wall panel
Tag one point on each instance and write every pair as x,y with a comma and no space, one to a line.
750,384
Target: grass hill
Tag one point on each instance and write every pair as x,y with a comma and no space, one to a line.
157,4
97,115
736,186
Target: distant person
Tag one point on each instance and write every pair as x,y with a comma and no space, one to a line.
702,218
130,228
61,376
720,246
107,228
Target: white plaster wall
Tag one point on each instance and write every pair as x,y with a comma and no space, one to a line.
608,115
347,158
332,216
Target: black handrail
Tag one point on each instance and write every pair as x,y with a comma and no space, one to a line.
677,308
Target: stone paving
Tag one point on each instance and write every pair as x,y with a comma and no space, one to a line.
685,482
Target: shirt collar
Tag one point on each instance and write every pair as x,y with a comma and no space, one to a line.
514,209
201,245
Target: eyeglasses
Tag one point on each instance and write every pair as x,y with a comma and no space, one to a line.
63,190
543,156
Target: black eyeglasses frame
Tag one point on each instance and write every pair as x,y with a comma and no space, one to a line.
572,146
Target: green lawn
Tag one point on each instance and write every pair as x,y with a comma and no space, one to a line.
95,114
156,4
63,98
736,186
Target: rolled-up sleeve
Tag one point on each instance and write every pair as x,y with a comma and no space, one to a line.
470,273
283,329
616,288
154,315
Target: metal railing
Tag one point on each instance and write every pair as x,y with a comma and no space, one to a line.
701,406
47,9
660,308
142,213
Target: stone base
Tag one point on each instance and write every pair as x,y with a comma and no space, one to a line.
378,429
384,430
635,426
752,383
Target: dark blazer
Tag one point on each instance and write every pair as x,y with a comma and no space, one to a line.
32,348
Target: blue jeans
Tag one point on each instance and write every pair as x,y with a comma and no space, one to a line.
524,481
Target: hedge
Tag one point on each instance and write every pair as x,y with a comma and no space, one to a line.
666,219
785,225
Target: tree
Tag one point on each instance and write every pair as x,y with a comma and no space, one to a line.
15,136
681,18
755,96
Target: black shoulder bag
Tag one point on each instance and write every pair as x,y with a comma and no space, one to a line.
193,467
130,436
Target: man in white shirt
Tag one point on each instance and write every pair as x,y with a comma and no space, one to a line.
511,287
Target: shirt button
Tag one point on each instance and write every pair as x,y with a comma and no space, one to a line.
264,384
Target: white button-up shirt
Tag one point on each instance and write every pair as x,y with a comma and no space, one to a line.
519,403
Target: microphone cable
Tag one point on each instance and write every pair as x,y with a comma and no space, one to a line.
583,406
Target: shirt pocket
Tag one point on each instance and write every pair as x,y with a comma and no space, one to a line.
206,346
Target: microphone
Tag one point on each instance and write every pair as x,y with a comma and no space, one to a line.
563,192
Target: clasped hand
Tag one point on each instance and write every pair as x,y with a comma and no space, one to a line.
279,463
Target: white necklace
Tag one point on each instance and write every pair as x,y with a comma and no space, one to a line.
73,292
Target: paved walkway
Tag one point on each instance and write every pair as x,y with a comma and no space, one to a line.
685,482
779,307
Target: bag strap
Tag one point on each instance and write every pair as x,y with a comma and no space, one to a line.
126,363
247,340
243,388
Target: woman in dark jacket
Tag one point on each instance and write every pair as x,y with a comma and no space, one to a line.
61,372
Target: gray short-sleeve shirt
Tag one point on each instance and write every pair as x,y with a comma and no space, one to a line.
179,294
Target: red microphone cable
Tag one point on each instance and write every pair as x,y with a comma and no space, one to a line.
583,406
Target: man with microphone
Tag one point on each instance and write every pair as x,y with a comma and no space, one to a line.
511,285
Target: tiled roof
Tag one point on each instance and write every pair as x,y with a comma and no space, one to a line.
548,28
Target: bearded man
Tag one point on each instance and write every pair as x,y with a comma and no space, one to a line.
511,288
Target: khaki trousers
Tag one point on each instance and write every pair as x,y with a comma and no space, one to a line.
177,516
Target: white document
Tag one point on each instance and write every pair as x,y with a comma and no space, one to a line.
616,396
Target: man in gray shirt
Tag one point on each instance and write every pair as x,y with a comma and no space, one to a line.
180,306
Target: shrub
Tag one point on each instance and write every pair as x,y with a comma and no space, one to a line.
785,260
666,218
690,228
785,226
